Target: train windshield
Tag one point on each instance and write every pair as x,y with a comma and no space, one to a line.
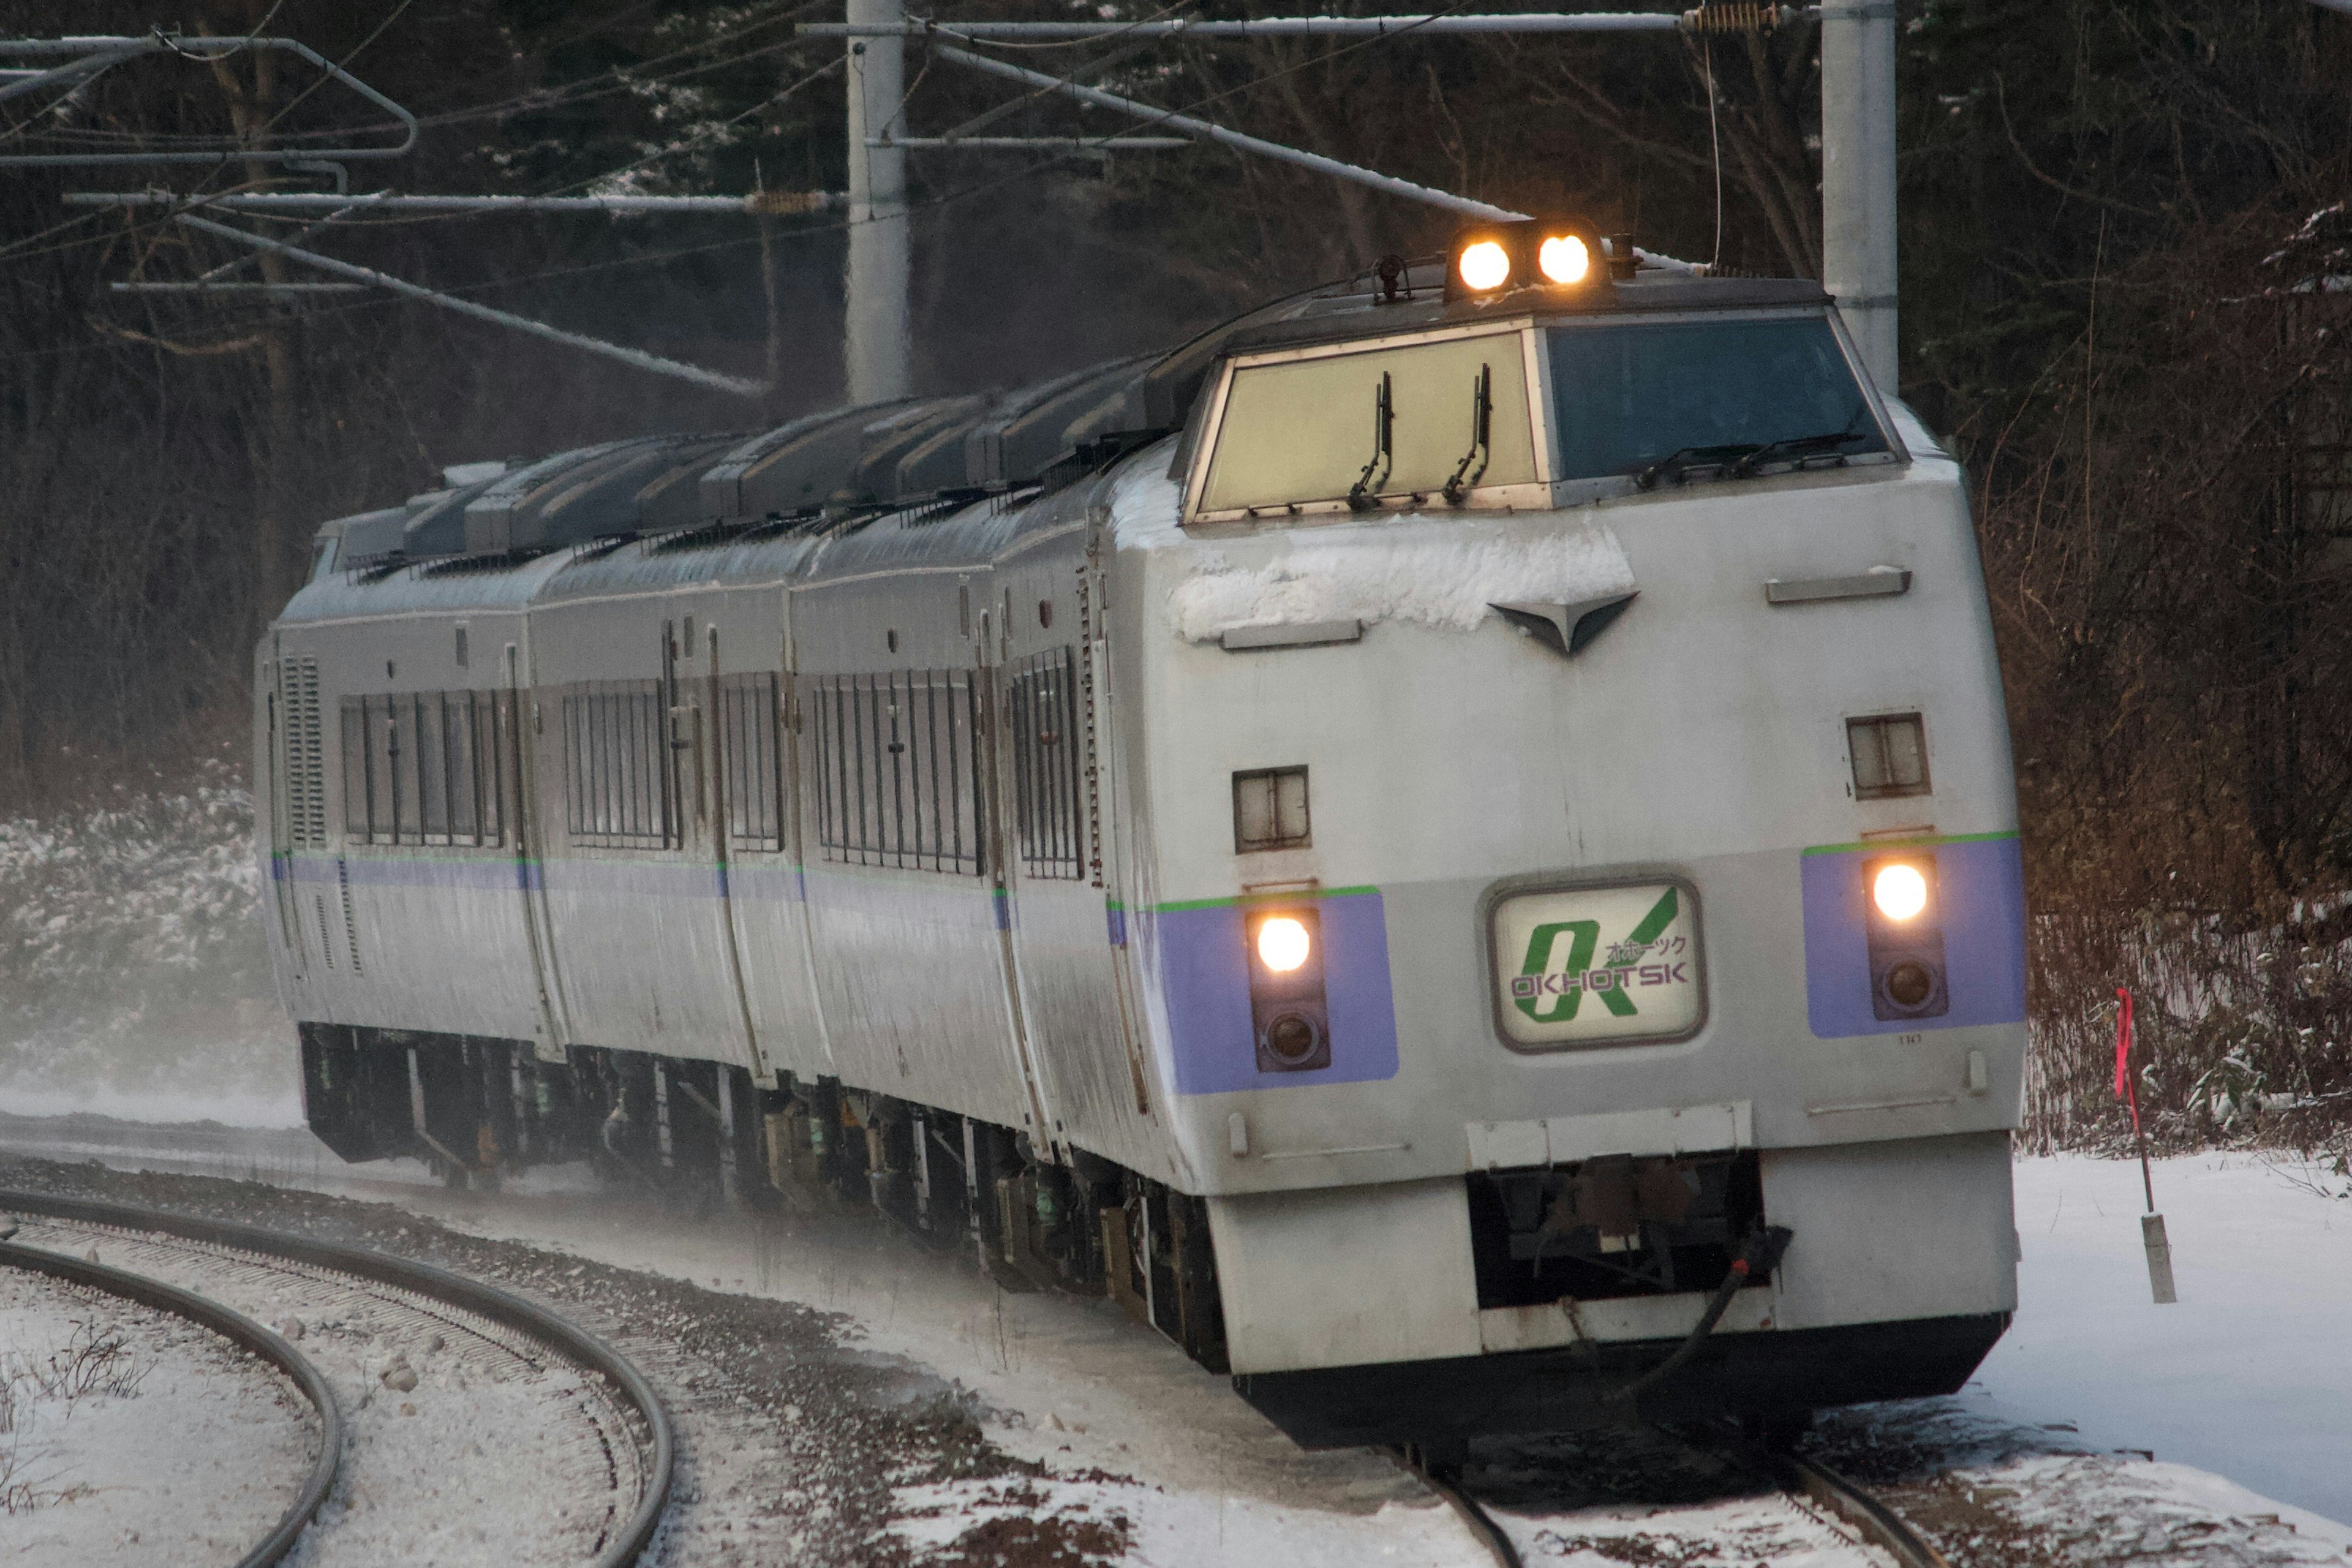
1390,420
1637,398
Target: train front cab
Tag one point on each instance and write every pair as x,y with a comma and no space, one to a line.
1660,839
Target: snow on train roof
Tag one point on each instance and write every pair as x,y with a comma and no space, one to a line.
922,452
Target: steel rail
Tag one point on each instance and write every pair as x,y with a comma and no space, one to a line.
1881,1524
438,1284
246,1335
1877,1523
1482,1524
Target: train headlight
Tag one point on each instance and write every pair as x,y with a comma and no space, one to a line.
1483,265
1283,944
1564,258
1490,259
1899,891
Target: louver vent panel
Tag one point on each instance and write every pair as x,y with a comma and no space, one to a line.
306,756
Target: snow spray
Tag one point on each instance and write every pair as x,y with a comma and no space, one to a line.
2151,1224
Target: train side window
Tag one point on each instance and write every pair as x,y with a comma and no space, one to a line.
1889,753
421,768
1270,810
898,776
1045,764
620,788
753,778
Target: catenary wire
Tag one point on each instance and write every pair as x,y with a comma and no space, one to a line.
942,199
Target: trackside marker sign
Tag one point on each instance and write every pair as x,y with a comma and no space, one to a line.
1586,965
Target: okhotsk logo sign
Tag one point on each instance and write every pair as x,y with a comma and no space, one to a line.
1585,965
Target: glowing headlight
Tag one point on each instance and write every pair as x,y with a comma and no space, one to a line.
1898,890
1485,264
1563,258
1282,944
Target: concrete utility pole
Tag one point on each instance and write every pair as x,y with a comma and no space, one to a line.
1858,176
879,349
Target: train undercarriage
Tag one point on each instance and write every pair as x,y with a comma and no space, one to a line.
699,1134
477,1110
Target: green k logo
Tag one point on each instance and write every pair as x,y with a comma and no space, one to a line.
1568,983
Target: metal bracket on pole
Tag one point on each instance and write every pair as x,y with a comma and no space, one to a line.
1036,143
716,380
270,290
97,54
1208,132
1280,26
768,203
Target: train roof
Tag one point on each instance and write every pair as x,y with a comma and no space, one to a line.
933,452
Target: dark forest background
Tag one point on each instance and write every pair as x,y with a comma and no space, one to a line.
2123,278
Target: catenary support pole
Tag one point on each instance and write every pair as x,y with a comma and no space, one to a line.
879,348
1858,176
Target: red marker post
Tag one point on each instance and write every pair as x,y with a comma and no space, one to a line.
2151,1224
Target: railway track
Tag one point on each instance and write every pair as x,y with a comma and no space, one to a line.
433,1392
1810,1484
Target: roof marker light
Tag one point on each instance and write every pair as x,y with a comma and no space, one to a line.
1483,265
1564,258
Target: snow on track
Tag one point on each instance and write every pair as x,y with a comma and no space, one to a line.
468,1442
182,1448
1109,1424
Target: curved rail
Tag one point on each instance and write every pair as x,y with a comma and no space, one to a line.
1879,1524
487,1300
1482,1524
240,1330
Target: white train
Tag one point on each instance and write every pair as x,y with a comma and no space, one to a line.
1417,841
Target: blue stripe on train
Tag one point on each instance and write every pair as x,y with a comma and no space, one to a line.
1203,968
1980,902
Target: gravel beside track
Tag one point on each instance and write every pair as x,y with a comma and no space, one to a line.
479,1427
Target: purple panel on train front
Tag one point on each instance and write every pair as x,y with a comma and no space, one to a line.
1205,969
1981,905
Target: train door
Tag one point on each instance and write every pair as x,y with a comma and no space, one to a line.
782,977
520,716
995,687
1068,928
706,714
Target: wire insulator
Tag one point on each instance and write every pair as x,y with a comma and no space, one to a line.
1735,16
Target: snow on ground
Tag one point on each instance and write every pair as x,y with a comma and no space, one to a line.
2249,1376
491,1460
179,1447
133,980
2239,1393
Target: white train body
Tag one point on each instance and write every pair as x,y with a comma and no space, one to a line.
964,813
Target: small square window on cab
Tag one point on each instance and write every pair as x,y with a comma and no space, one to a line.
1890,755
1269,810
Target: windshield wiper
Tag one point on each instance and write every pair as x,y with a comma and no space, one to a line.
1793,447
1363,495
1482,424
1692,457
